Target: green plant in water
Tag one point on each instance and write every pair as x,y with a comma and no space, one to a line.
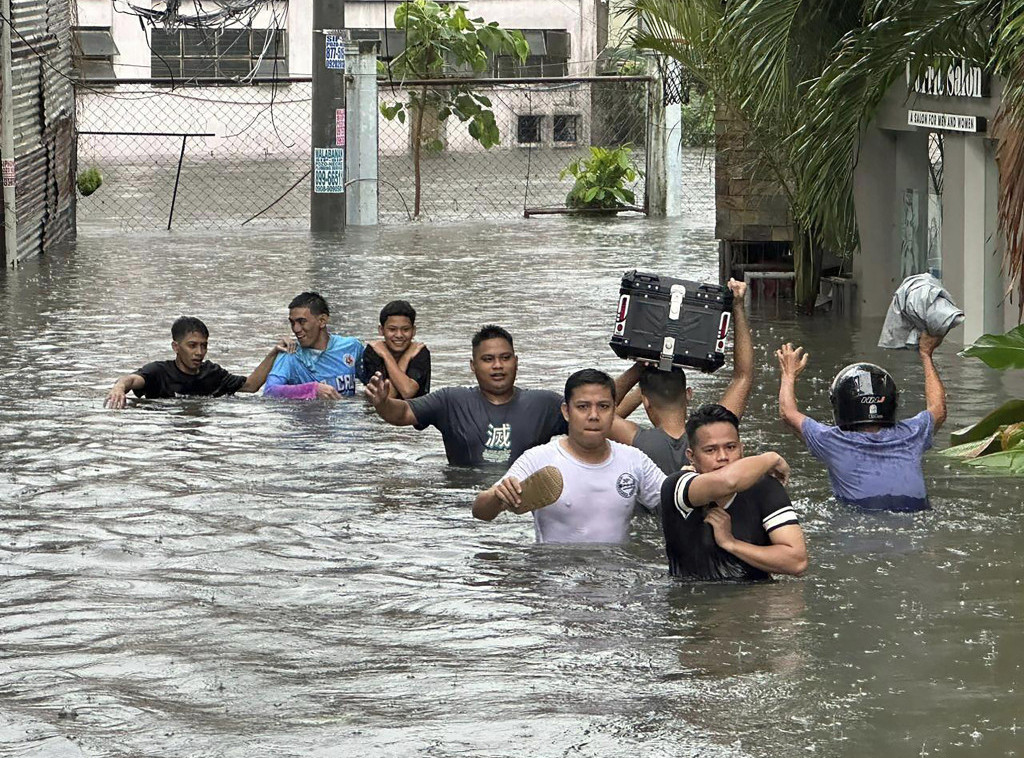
996,442
89,181
601,179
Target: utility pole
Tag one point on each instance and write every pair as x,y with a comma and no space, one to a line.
10,240
327,190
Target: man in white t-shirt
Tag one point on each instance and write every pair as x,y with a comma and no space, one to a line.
602,480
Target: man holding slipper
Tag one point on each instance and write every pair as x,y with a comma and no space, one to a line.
582,487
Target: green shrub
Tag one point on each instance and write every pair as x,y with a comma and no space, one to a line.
601,179
89,181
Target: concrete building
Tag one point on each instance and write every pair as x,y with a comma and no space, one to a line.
905,226
566,38
274,41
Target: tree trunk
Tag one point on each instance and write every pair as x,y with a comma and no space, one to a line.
417,148
807,257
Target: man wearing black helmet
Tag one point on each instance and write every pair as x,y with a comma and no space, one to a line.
873,460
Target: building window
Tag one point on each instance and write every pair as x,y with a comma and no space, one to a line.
565,129
549,56
182,54
528,130
93,53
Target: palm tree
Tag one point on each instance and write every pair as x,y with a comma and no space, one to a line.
807,77
758,58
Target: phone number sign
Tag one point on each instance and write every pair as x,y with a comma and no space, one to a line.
328,170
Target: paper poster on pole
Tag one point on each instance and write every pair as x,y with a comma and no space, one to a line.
328,170
8,172
339,127
334,52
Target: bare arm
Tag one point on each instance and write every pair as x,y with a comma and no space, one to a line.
392,410
629,403
792,362
624,382
786,555
735,396
623,431
934,391
259,374
116,398
502,496
736,477
401,385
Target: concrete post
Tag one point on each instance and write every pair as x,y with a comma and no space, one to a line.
361,132
967,272
655,184
327,190
673,136
9,249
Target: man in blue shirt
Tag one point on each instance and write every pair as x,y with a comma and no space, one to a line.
324,365
873,460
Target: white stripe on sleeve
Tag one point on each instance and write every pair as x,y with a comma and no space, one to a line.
682,505
781,517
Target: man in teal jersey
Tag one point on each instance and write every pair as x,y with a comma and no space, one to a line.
324,365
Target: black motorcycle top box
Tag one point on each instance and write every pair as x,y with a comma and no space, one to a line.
671,322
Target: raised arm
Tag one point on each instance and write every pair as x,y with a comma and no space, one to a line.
629,403
117,396
625,382
738,476
792,362
735,396
391,409
259,374
934,391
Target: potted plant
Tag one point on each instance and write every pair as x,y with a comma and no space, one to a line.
601,180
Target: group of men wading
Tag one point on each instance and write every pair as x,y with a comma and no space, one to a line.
577,464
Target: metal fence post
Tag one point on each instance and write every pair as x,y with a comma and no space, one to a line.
10,219
327,157
361,132
177,180
655,185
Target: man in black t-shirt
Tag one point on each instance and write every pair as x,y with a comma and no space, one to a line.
729,517
189,373
398,357
492,422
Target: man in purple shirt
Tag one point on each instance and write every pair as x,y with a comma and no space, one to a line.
873,460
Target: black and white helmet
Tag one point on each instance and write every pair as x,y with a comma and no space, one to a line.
862,394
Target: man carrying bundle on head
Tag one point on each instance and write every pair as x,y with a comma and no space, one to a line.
581,487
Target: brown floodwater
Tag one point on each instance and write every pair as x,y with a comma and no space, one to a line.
242,577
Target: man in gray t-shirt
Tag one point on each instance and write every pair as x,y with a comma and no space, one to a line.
492,422
665,396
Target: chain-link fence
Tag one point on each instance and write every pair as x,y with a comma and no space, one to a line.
212,157
544,126
220,156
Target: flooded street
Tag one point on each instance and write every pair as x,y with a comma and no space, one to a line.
246,577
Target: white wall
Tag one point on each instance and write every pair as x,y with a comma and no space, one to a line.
578,18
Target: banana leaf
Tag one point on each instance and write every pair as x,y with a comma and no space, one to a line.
1010,412
1008,461
1012,436
970,450
1001,351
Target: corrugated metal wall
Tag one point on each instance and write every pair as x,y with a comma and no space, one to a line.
44,109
